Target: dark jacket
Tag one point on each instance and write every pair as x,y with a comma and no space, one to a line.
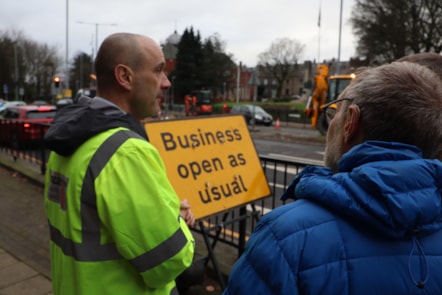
76,123
373,228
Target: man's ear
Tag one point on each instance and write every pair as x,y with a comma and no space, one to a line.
124,76
352,127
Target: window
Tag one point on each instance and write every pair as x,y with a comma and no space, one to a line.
11,114
40,115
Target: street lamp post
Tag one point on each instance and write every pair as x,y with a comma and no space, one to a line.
238,80
339,42
96,32
173,92
16,71
67,45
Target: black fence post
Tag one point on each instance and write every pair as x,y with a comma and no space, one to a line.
42,149
242,231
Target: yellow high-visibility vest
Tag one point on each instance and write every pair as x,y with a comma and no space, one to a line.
114,219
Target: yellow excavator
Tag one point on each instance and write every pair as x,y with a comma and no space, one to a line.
326,89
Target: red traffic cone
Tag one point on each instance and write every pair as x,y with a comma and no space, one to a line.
277,125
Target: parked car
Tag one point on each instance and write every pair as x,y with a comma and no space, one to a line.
22,125
63,102
6,104
40,103
253,114
90,92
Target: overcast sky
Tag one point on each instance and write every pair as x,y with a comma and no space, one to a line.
248,27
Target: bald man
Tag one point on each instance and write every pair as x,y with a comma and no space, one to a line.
117,226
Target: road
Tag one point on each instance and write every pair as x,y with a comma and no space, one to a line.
290,151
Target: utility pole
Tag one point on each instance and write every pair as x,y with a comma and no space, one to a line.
339,42
16,70
66,78
319,33
238,80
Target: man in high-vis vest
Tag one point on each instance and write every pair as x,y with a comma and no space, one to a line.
117,225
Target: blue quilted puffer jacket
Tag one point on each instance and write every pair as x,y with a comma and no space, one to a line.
372,228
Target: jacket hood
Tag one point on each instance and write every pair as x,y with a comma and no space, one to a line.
387,186
76,123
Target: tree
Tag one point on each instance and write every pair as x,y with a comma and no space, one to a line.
8,64
201,65
390,29
217,67
28,65
40,62
188,63
280,61
80,71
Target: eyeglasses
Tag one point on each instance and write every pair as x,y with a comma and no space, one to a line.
330,108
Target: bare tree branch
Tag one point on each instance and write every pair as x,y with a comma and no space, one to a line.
281,59
390,29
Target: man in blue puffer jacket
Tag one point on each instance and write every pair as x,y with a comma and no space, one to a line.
370,223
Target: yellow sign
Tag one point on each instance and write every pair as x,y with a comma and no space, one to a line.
210,161
67,93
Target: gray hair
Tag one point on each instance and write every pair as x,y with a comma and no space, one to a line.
401,102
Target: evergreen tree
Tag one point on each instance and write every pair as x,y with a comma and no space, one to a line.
218,67
188,64
201,65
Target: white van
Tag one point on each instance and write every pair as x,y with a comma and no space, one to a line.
90,92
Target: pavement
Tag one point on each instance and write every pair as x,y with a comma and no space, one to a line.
24,236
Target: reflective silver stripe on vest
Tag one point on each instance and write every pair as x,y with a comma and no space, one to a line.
160,253
90,249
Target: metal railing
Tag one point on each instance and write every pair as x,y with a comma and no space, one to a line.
234,226
15,141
